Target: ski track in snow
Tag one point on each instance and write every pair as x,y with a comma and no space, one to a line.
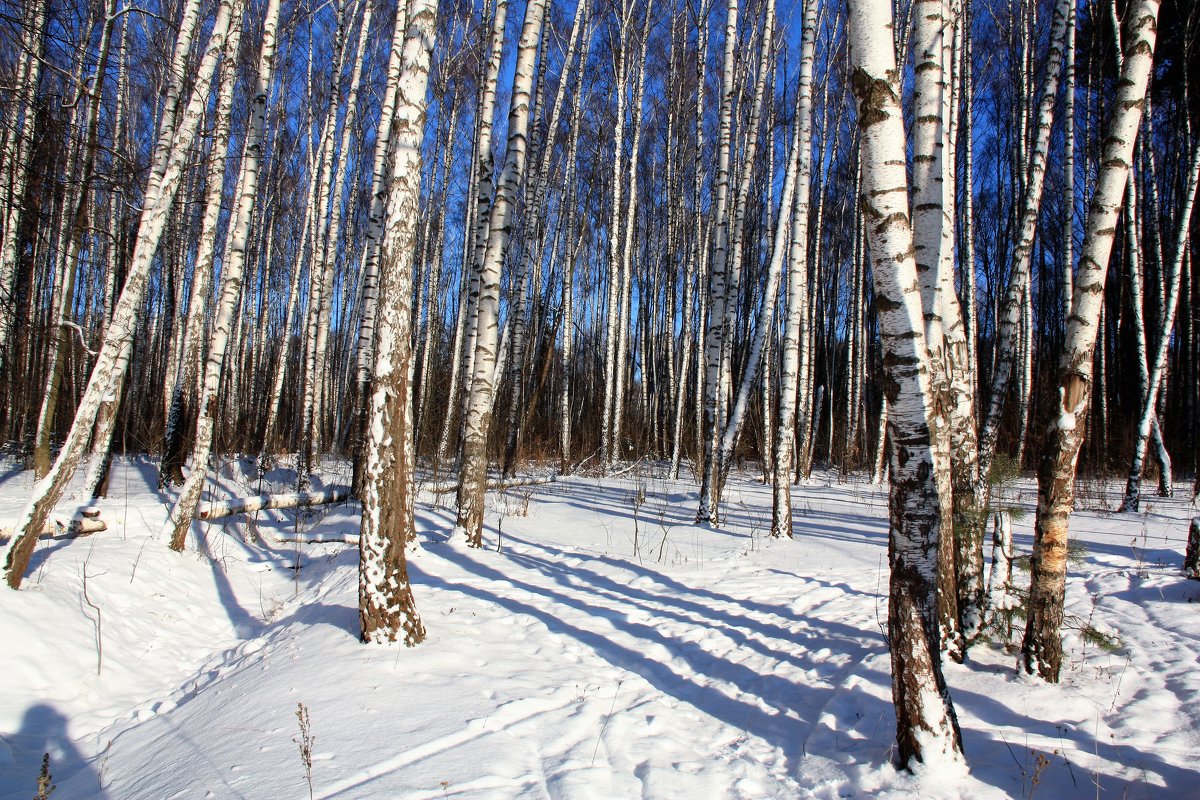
608,649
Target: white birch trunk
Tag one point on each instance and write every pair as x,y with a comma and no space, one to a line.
1042,646
1147,418
718,283
183,377
473,474
18,153
535,239
926,726
1018,285
232,272
386,609
697,249
370,272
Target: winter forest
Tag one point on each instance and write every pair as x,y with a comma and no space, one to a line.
718,398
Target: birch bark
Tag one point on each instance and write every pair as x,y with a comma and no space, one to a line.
108,373
374,233
718,284
386,608
1154,381
1041,650
473,474
232,274
926,726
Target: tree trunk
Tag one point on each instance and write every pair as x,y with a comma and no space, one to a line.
718,282
1042,647
473,475
926,725
232,272
386,609
1155,378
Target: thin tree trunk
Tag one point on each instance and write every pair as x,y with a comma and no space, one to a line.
1147,419
1010,319
183,378
718,282
232,272
535,238
1042,647
386,609
473,475
697,248
926,725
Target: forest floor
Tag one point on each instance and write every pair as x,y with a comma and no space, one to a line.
600,646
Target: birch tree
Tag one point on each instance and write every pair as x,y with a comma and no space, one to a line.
797,286
232,275
718,280
1147,417
386,609
926,725
1041,650
473,474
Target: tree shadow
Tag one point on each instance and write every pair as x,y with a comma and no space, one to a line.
1074,781
782,708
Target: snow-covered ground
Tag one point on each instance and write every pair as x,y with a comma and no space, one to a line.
602,646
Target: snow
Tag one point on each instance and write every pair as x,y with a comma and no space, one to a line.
609,649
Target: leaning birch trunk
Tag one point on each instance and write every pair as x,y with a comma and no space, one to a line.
370,279
232,272
780,247
95,474
473,474
1031,203
926,725
714,334
171,153
1150,400
386,610
174,449
1042,647
717,467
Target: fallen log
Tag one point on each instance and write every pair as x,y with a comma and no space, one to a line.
60,528
446,488
262,502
